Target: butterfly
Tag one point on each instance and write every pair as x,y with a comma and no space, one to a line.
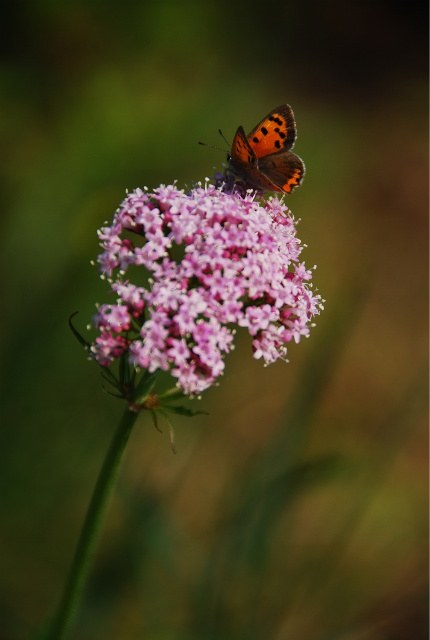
262,159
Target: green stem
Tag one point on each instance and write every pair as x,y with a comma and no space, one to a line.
91,529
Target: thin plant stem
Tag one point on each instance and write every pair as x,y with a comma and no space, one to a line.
90,532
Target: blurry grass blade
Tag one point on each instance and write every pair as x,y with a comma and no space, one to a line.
268,489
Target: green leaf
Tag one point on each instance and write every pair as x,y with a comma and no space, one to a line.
76,333
110,378
183,411
155,419
172,394
124,369
144,387
171,431
111,393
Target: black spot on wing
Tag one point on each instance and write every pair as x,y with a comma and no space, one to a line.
277,120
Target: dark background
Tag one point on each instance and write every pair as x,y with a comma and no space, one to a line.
298,509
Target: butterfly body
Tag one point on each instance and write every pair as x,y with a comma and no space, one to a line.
262,159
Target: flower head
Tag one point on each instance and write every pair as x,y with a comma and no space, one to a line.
206,262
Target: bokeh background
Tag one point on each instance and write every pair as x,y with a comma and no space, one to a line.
297,510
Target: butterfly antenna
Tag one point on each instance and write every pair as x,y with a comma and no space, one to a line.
212,146
223,137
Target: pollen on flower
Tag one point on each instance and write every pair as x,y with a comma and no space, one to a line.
209,262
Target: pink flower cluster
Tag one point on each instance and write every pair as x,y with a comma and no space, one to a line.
205,262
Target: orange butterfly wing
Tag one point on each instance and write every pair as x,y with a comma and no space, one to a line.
284,170
276,132
244,164
242,154
262,159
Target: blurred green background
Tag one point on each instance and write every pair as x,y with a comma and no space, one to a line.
297,510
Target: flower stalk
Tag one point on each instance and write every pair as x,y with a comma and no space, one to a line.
90,532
